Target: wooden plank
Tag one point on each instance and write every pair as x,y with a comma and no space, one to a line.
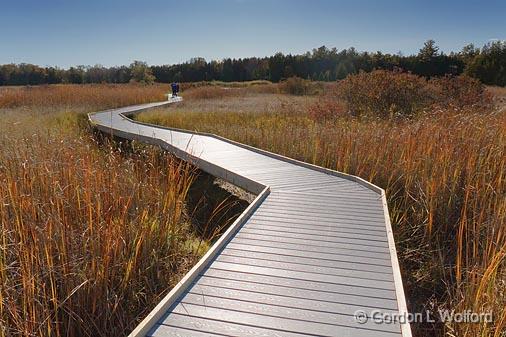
277,323
330,206
288,179
270,168
339,214
337,194
179,331
311,312
298,293
217,326
336,190
373,203
302,172
297,253
349,243
338,249
327,211
321,182
348,196
323,226
329,217
331,187
308,261
335,202
338,227
322,222
329,231
326,208
330,279
337,270
331,288
299,176
306,306
313,237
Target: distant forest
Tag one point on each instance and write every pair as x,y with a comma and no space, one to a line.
323,64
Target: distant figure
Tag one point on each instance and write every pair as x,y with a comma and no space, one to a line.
175,89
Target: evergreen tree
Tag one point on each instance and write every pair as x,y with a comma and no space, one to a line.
428,51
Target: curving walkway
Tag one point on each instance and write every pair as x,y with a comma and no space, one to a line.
313,248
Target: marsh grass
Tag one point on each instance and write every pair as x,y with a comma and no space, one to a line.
88,96
445,177
88,237
92,234
245,84
216,91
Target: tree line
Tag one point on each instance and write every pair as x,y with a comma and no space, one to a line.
487,63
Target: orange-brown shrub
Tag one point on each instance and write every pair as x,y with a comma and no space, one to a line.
460,92
388,94
384,93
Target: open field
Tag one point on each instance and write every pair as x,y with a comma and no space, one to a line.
92,234
444,173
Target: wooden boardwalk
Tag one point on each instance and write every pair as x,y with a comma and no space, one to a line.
313,250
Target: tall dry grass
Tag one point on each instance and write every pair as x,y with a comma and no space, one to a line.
218,91
91,235
445,177
91,96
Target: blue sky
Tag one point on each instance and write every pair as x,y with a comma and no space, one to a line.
65,33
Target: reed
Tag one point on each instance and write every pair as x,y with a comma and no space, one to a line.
91,235
88,96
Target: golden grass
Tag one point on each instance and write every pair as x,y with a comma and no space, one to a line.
244,103
91,236
499,95
91,96
445,177
220,91
244,84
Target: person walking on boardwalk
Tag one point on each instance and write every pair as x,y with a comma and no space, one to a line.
174,86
